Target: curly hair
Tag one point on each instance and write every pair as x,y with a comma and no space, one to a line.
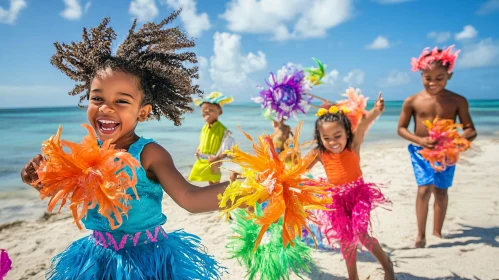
149,53
338,117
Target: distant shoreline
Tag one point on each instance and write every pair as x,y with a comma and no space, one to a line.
233,104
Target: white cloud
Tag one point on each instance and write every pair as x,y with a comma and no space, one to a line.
287,19
194,23
73,10
482,54
9,16
392,1
143,10
203,61
331,77
321,16
202,71
488,7
355,78
229,68
440,37
379,43
469,32
394,79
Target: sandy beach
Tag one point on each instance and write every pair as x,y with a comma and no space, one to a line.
469,249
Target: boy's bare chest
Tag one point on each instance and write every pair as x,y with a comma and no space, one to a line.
431,110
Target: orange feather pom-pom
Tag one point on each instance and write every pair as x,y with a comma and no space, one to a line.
449,144
88,176
270,177
355,106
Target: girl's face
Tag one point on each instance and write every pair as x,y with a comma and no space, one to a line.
333,136
115,106
210,112
435,79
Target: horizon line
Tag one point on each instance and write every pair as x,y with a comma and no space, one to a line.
235,103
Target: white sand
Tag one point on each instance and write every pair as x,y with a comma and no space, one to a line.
469,250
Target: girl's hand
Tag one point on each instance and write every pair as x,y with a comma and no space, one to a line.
29,173
380,103
197,153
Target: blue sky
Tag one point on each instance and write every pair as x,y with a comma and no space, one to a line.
365,43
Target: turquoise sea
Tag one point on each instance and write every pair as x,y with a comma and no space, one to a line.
23,131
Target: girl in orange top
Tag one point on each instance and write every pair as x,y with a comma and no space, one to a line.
353,199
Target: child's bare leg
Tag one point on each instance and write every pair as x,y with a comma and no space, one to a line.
439,209
350,255
422,199
373,245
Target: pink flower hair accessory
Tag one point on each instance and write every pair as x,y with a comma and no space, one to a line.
427,57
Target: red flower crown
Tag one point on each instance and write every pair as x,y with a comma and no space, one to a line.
427,57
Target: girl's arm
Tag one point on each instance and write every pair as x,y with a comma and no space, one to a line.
160,167
316,160
366,121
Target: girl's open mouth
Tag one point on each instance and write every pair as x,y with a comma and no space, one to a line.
107,126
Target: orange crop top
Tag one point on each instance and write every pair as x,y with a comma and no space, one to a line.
342,168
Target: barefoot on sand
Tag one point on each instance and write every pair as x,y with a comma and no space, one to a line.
420,243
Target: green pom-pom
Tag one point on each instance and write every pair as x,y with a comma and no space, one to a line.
271,260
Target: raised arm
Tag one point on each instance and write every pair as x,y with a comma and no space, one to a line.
465,119
159,166
366,121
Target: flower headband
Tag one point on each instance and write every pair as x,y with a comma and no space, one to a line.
333,110
214,98
354,107
427,57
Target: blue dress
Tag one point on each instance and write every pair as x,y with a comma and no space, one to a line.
139,248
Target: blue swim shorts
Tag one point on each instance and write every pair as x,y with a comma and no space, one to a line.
425,174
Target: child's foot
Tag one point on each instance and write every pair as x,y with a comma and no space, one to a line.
420,242
437,234
389,273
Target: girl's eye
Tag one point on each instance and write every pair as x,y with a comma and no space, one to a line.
95,98
123,101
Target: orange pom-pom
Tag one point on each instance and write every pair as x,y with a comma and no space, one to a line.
270,177
355,106
449,144
88,176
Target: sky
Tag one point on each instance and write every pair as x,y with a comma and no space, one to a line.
365,44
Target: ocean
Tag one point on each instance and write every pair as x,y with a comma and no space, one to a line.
23,131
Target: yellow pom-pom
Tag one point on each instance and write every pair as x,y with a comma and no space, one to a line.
333,109
321,112
345,110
